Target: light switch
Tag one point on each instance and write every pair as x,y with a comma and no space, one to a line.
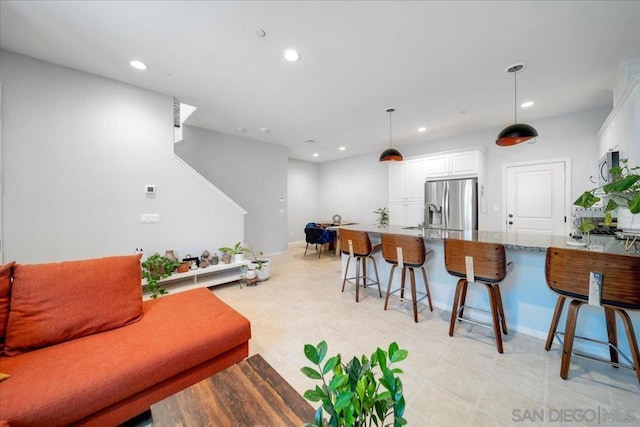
149,218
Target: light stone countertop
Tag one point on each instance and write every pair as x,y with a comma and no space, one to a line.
521,241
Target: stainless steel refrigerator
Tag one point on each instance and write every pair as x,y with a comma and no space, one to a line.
451,204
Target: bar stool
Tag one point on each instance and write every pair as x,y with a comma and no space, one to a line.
615,280
482,263
407,253
357,245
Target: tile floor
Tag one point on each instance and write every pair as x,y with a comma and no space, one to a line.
458,380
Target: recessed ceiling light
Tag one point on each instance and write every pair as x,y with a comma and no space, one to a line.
342,148
291,55
265,130
526,104
241,129
310,141
422,129
315,154
138,65
260,32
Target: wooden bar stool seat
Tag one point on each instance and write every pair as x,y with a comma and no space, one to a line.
615,280
357,245
406,253
482,263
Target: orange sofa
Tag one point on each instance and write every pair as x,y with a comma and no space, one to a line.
82,348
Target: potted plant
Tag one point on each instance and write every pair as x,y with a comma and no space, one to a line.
351,394
383,217
237,251
622,193
155,268
262,266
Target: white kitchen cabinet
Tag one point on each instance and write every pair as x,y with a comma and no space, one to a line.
452,165
621,129
406,191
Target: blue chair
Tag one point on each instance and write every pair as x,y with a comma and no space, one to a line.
317,236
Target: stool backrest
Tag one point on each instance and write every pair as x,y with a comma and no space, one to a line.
413,251
568,272
489,259
359,240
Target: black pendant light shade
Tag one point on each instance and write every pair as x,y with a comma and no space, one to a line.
515,134
518,132
390,154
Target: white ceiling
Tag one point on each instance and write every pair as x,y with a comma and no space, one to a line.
430,60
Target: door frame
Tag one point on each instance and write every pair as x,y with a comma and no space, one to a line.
567,188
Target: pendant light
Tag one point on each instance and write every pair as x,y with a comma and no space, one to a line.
518,132
390,154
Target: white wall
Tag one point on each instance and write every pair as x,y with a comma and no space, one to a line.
77,152
355,187
252,173
303,193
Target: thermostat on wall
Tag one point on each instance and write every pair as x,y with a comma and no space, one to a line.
150,189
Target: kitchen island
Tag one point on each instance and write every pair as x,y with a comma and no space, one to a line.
528,301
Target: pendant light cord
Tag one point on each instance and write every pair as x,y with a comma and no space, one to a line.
390,113
515,95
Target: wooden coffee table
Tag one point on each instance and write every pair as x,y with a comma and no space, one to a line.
249,393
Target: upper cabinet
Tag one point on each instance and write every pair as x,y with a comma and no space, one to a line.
406,192
621,130
453,165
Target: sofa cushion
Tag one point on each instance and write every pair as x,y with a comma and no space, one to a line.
81,377
52,303
5,295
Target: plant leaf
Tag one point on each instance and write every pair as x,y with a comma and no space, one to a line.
318,417
311,373
398,355
331,363
621,185
338,381
322,350
634,204
586,200
382,358
312,353
343,400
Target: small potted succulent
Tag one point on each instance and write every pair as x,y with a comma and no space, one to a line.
237,251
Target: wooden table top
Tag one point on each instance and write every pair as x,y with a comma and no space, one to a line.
249,393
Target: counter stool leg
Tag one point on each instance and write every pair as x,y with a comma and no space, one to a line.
569,335
346,270
375,269
364,272
403,281
386,300
554,322
463,298
426,287
633,342
503,320
612,334
358,262
414,295
454,309
493,300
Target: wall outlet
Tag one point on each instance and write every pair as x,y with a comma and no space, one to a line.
149,218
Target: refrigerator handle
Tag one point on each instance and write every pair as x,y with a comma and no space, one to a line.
445,206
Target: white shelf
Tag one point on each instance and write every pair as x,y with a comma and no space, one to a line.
202,277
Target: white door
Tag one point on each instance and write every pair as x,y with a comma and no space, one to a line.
536,197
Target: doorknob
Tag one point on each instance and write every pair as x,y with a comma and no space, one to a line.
510,215
510,222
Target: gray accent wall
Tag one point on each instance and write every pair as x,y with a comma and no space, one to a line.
78,150
252,173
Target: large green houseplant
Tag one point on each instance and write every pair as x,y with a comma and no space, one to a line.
155,268
350,394
623,192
